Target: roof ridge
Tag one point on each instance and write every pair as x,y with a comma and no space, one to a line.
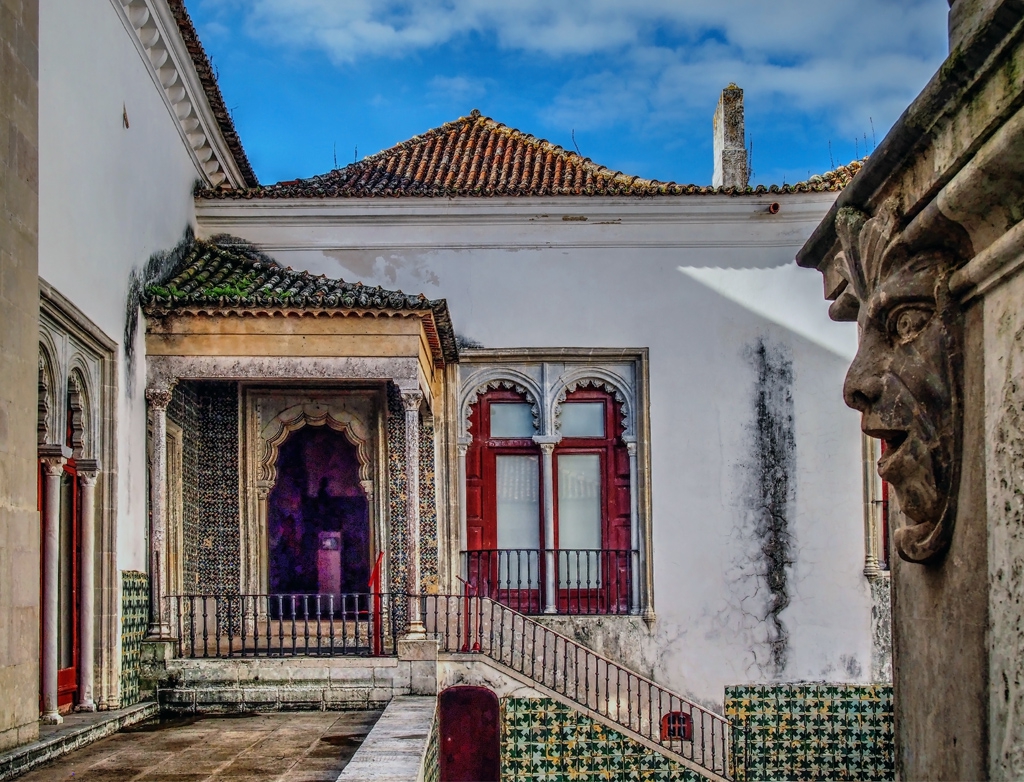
461,158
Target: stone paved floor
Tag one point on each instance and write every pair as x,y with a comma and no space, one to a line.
285,747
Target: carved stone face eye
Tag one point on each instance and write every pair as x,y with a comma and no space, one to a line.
907,322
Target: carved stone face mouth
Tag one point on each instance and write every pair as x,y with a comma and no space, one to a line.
893,441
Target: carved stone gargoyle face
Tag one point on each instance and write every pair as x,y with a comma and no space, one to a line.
906,379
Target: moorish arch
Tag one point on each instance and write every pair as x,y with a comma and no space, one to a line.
495,378
594,377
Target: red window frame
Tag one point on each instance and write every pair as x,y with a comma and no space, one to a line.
612,595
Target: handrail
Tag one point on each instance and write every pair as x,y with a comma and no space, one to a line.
634,703
283,625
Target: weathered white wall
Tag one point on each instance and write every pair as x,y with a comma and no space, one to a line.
523,277
109,197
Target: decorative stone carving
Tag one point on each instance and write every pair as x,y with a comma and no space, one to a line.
499,382
907,377
594,381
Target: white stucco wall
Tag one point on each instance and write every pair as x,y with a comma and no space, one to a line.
109,197
518,275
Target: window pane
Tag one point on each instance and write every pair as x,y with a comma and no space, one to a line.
579,518
512,419
582,419
518,491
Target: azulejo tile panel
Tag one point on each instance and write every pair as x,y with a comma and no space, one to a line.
813,731
432,760
543,739
134,622
217,486
428,509
398,558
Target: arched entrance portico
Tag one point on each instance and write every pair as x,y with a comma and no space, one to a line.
318,524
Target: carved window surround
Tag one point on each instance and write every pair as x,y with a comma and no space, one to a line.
155,34
545,377
75,354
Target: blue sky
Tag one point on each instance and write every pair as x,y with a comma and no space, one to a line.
636,81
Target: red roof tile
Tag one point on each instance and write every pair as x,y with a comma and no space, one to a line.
476,156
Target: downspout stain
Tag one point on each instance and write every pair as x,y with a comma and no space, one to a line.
773,488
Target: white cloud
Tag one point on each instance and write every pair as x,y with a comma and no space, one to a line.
456,89
658,59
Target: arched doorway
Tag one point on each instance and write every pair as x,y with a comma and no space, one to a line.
318,523
470,735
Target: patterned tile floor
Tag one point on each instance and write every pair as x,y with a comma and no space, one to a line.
291,747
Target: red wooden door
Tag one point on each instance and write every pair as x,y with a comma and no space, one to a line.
470,735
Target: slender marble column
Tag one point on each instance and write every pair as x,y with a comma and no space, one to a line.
547,450
87,588
412,401
53,467
463,445
634,530
158,399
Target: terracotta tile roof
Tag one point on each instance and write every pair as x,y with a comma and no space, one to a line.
476,156
228,274
212,90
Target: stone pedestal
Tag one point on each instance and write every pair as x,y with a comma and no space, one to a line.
421,656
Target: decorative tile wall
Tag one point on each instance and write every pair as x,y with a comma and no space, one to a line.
432,761
134,623
542,739
428,509
813,731
217,489
396,504
398,558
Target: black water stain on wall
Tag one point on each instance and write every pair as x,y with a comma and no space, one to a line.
772,488
157,268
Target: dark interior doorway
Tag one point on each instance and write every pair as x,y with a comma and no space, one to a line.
470,735
318,521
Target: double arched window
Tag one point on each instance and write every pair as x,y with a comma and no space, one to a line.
569,552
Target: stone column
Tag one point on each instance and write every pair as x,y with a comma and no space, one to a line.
635,559
547,450
158,399
464,443
53,468
412,401
87,474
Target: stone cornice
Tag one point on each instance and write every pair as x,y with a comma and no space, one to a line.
527,223
154,30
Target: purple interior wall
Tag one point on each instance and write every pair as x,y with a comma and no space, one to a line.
317,516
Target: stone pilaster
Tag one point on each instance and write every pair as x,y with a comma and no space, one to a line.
87,474
158,399
53,468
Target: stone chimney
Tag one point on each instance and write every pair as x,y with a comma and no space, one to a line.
730,141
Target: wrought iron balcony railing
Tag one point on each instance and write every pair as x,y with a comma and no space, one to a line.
555,581
283,625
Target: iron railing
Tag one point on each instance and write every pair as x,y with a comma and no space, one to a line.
283,625
555,581
634,703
